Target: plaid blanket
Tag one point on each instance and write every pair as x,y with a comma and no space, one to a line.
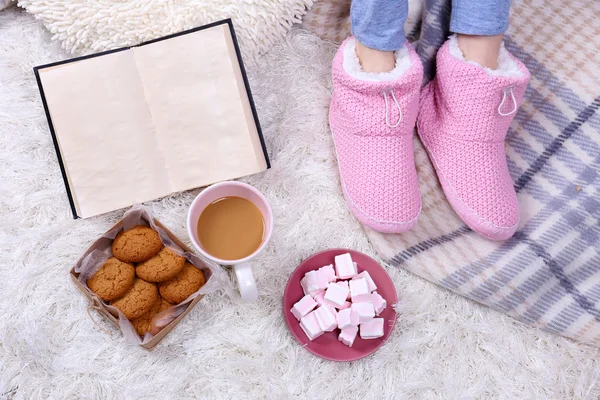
548,274
6,3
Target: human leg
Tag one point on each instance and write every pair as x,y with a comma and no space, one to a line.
480,25
378,26
372,116
465,115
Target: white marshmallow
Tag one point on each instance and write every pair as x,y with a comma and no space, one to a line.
310,326
347,335
370,281
303,307
359,291
346,318
330,272
364,311
320,297
336,295
344,266
379,303
326,318
372,329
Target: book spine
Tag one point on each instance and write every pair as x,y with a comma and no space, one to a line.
248,91
55,141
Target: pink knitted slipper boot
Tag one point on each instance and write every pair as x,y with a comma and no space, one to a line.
465,114
372,117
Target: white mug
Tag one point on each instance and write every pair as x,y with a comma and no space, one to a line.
243,266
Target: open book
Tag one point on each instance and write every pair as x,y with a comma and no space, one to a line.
135,124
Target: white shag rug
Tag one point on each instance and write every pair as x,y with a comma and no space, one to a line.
443,347
92,26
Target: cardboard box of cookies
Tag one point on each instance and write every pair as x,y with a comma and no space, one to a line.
143,278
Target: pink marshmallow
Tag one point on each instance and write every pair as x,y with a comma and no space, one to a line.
344,284
329,272
322,279
310,326
364,311
370,281
379,303
303,307
347,335
344,266
333,309
309,283
372,329
344,306
320,297
359,291
336,295
346,318
326,318
303,284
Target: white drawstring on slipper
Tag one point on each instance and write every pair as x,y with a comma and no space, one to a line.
387,110
512,94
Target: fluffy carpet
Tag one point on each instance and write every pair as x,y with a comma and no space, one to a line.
92,26
444,346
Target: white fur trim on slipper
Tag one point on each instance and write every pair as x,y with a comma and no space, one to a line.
506,65
352,65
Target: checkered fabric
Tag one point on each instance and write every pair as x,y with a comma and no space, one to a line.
6,3
329,19
548,274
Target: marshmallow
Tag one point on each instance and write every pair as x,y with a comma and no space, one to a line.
347,335
346,318
326,305
344,266
310,326
364,311
334,311
359,291
370,281
379,303
372,329
320,297
345,285
329,272
309,283
322,279
303,307
326,318
336,295
303,284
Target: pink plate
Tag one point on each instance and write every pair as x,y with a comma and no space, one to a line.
327,345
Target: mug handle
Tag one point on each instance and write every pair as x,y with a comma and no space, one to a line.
246,281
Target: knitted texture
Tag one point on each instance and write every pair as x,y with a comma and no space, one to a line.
461,126
375,157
